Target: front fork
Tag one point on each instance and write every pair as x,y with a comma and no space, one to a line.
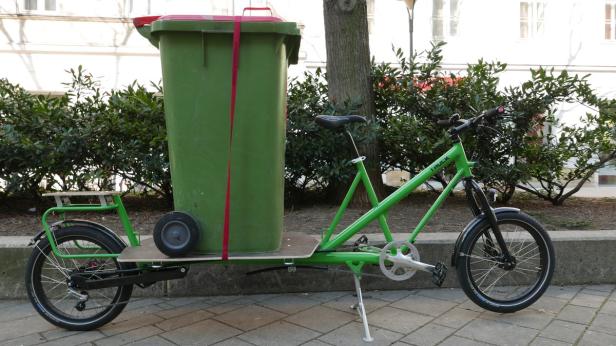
479,204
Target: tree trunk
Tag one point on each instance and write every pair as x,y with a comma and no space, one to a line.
506,194
349,74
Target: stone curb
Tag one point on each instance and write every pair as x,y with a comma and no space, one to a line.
583,257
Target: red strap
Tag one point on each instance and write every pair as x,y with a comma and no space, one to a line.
234,68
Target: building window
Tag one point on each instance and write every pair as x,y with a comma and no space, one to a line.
39,5
531,19
610,20
445,14
370,15
607,175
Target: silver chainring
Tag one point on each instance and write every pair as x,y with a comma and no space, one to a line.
397,272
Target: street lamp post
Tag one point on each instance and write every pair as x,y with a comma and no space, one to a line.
410,5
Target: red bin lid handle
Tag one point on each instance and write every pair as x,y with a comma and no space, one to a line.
143,21
258,9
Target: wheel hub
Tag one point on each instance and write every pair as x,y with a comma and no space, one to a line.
507,263
80,306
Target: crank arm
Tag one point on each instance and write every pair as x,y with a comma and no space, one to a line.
407,261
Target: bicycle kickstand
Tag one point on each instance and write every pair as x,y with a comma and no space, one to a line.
362,310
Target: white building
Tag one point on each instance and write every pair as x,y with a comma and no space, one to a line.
40,39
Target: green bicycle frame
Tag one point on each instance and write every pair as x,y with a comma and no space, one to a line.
454,155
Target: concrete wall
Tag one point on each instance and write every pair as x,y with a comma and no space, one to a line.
581,257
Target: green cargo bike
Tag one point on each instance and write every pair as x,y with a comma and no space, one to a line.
225,102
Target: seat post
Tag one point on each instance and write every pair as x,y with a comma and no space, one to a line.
350,138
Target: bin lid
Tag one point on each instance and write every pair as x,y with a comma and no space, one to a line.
147,20
152,26
216,24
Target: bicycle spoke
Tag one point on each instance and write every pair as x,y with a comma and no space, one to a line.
482,259
527,253
513,238
486,275
527,270
56,286
58,259
520,249
528,258
519,272
72,259
52,280
55,264
491,286
100,294
63,298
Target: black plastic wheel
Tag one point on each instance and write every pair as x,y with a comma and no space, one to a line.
176,234
500,286
47,279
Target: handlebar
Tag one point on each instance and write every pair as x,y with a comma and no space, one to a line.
443,122
494,111
461,125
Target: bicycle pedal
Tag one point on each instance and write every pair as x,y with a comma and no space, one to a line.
439,273
363,240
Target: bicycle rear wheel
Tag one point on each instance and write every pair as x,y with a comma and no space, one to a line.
495,285
47,278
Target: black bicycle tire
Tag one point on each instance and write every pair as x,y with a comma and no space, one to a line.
463,261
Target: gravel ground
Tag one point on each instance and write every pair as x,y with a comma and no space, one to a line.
23,218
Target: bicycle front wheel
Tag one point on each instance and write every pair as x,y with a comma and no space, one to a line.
504,287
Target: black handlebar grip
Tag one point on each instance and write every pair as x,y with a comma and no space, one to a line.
443,122
495,111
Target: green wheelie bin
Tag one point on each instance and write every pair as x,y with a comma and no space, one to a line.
224,83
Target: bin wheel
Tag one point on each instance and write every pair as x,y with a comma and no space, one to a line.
176,234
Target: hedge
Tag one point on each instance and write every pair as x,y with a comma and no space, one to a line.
88,138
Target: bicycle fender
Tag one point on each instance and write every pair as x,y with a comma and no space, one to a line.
79,222
471,225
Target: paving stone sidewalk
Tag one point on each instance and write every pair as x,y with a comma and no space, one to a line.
581,315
